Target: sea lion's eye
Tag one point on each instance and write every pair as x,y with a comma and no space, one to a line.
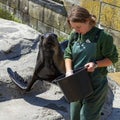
42,37
55,36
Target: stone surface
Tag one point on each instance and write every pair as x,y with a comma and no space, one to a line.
18,50
115,87
115,76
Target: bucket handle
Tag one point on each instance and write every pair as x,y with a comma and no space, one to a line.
80,68
63,75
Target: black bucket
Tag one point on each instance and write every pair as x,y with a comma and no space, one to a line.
77,86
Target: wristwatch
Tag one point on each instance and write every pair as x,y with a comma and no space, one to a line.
95,64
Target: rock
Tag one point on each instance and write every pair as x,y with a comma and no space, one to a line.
18,47
16,39
18,50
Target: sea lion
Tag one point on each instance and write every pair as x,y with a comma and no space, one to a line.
50,61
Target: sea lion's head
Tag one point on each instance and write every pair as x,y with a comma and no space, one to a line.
50,42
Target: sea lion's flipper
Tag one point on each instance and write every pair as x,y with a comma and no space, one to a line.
17,79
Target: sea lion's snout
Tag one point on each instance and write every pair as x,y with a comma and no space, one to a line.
49,40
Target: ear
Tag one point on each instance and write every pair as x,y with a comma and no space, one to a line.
42,36
56,36
41,41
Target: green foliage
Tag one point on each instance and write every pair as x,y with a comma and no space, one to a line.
6,15
61,38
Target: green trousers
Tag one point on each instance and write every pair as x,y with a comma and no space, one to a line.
90,108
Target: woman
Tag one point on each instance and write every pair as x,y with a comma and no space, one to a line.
84,50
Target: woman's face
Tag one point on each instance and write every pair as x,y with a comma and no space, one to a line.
81,28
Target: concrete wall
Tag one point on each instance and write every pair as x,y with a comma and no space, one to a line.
42,15
47,15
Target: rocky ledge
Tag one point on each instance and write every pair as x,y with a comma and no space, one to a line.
18,50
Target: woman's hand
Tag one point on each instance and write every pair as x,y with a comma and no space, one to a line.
90,66
101,63
68,73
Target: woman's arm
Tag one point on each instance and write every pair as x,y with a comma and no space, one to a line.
104,63
101,63
68,66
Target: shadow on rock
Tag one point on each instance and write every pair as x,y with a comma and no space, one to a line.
8,90
60,105
115,114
